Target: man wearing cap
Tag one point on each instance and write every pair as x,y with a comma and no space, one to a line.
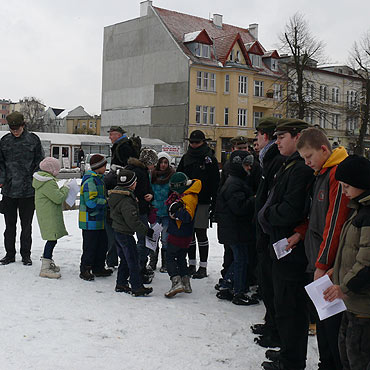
200,163
285,208
270,160
20,154
122,149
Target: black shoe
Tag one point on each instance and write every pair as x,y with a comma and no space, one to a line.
201,273
122,288
277,365
273,355
243,299
142,291
192,270
268,341
103,273
225,294
6,260
147,279
259,329
27,261
257,296
87,275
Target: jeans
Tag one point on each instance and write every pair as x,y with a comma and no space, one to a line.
26,208
176,261
112,257
48,249
142,250
129,261
94,249
240,267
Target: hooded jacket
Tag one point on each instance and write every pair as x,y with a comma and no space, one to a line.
352,263
49,205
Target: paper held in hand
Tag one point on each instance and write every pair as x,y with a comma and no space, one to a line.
152,242
325,309
279,248
74,188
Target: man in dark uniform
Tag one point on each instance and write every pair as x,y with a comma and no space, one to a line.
122,148
20,155
285,208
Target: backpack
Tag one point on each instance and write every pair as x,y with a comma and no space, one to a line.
135,142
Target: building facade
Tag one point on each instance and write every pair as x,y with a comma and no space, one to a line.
4,111
78,121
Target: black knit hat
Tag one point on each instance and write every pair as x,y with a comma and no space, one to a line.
241,157
97,161
354,171
126,178
15,119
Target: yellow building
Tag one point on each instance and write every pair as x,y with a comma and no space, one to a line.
78,121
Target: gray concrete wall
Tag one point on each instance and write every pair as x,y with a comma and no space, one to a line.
145,80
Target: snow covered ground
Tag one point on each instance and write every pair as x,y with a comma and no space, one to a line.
73,324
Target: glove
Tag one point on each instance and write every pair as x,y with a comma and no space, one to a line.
150,233
174,207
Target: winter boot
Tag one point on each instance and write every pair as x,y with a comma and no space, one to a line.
164,260
186,284
192,269
54,267
177,287
123,288
86,273
201,273
103,273
46,270
143,291
153,259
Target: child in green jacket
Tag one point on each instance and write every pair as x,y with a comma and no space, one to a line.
49,200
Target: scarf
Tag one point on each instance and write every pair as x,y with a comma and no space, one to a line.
198,155
162,177
264,150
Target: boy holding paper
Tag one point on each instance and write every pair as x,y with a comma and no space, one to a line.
351,276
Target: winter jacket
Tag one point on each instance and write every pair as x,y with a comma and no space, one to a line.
122,150
49,205
352,263
124,212
19,159
143,186
201,164
181,227
285,208
235,211
328,213
161,193
92,202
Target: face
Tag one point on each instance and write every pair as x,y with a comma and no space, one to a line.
262,140
256,147
243,147
314,158
17,131
133,186
163,164
350,191
195,144
114,136
150,167
101,170
247,167
287,144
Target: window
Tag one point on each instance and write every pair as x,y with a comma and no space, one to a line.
310,90
335,123
274,64
322,120
277,115
206,81
205,51
351,123
212,115
309,116
323,93
227,83
243,85
226,116
256,60
213,82
242,117
256,117
231,55
199,80
335,94
352,99
237,59
205,114
278,91
202,50
258,88
197,114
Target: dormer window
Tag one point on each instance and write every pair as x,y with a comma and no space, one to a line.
274,64
237,59
256,60
231,55
202,50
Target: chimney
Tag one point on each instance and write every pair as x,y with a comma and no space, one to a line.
253,30
144,6
217,20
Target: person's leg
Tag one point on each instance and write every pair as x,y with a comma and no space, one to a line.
172,268
227,260
342,341
100,251
240,253
10,215
89,245
48,249
26,211
123,271
192,255
181,262
164,238
203,253
112,256
143,251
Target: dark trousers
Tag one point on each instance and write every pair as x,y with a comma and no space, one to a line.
291,314
25,208
201,236
176,260
228,259
49,248
94,249
129,261
354,342
240,267
112,256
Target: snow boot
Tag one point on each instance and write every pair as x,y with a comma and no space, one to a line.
153,259
164,261
46,270
142,291
54,267
201,273
186,284
86,273
176,287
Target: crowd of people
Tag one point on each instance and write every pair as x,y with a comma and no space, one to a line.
291,185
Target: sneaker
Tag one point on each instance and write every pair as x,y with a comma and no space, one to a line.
87,275
268,341
242,299
27,261
201,273
277,365
273,355
103,273
225,294
143,291
123,288
6,260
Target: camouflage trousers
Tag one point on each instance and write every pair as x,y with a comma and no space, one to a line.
354,342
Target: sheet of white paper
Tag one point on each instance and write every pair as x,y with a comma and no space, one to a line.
152,242
74,188
279,248
325,309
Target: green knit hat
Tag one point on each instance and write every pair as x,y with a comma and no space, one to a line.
179,182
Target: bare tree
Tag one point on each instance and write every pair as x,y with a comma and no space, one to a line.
33,112
304,51
360,63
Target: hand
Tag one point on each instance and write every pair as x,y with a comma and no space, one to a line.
318,273
148,197
330,272
293,241
333,292
174,207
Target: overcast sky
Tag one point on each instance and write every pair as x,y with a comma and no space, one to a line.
53,49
